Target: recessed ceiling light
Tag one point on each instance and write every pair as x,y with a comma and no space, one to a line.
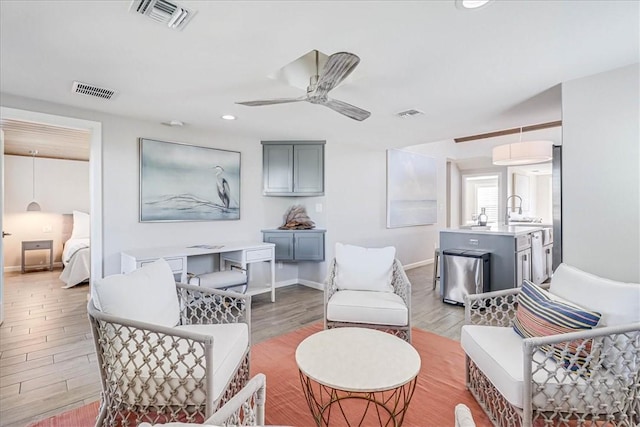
471,4
174,123
228,117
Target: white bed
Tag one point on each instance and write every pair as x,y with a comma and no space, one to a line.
76,257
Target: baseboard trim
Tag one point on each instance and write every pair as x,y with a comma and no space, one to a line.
418,264
12,268
312,284
284,283
320,286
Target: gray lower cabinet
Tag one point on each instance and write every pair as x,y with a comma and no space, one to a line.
296,245
293,168
510,255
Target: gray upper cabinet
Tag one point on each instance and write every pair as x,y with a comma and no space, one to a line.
293,168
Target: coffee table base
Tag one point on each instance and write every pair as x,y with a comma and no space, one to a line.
384,408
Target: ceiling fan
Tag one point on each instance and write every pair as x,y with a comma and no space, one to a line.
335,70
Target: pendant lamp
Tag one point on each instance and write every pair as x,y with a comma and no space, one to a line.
33,206
522,153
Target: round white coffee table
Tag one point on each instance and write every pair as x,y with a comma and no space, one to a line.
366,376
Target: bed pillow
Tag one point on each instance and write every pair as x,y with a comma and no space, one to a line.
81,225
147,294
364,269
540,314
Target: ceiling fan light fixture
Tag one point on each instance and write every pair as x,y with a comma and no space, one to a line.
335,70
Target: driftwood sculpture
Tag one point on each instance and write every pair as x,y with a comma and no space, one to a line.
296,218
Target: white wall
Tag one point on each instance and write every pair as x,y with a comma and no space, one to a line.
61,187
544,198
353,210
453,194
601,174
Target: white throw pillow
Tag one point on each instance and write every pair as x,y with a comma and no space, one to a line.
364,269
618,302
147,294
81,225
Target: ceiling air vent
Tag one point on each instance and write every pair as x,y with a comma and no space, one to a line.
92,90
163,11
409,113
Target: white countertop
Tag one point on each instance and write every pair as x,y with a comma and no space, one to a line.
503,230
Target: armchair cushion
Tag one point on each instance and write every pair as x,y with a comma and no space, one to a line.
125,295
368,269
378,308
180,368
230,343
497,351
540,314
618,302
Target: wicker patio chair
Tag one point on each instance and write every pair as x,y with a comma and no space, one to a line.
167,351
388,311
246,408
524,382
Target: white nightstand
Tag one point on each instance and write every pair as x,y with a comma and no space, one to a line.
33,245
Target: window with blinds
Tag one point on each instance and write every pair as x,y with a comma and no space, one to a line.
487,198
481,191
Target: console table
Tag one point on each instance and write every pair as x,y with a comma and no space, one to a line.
178,258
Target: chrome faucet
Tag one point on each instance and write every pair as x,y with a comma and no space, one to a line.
506,213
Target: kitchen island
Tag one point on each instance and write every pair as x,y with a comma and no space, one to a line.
509,246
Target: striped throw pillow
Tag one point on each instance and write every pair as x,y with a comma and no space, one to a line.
540,314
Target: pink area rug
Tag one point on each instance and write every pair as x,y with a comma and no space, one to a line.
439,389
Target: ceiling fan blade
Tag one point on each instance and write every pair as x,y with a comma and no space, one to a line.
348,110
336,69
272,101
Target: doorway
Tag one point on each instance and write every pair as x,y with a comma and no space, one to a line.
95,179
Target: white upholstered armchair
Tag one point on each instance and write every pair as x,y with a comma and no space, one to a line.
575,360
167,351
367,287
246,408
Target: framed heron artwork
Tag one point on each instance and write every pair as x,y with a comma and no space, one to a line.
181,182
412,197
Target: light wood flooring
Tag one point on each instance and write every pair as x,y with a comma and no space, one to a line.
47,359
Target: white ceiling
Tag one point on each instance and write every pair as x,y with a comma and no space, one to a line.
54,142
469,71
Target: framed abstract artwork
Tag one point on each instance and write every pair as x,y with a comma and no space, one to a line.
180,182
411,189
